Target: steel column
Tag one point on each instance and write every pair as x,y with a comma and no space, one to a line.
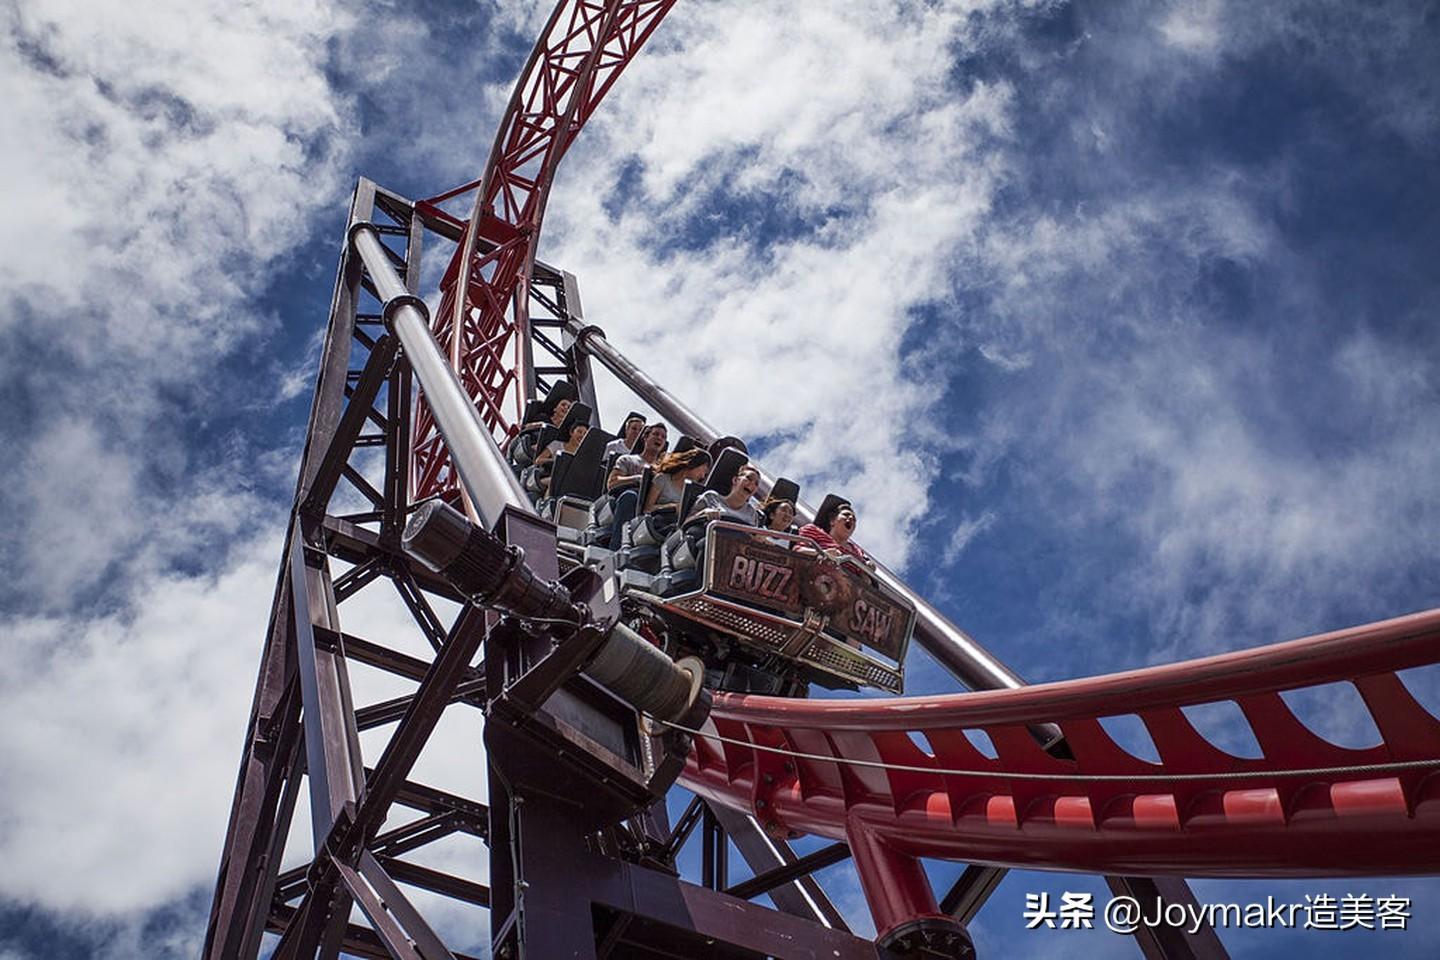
239,905
486,476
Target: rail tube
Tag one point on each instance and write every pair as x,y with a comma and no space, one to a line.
486,477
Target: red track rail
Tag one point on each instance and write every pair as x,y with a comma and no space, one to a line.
579,56
1199,812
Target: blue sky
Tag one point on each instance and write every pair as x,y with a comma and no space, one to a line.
1117,320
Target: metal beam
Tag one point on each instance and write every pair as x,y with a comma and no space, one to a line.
238,906
358,941
970,891
335,461
391,843
485,475
388,711
763,883
419,720
401,928
436,882
1164,942
332,745
803,896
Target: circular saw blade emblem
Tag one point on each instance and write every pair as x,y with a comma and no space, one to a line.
482,322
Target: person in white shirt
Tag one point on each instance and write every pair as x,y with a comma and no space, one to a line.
629,432
645,451
734,506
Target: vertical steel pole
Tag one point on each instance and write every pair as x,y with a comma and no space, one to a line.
487,478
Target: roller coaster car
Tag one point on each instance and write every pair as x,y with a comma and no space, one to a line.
795,611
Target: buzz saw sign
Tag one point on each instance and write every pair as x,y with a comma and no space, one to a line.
791,577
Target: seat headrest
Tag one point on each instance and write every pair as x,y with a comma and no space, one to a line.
578,413
828,508
584,478
688,496
559,471
562,390
785,489
727,443
722,474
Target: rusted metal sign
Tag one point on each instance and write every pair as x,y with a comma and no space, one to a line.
789,577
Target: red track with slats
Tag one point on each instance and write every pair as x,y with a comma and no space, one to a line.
1199,812
482,318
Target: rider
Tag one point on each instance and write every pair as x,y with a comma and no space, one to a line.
671,473
778,514
629,432
733,507
834,526
645,451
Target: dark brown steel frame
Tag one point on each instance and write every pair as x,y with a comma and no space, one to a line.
303,708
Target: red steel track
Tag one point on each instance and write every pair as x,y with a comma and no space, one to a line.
1199,812
580,54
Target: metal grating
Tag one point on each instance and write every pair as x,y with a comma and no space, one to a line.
747,625
842,661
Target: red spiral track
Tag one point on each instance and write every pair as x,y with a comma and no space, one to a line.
580,54
1198,812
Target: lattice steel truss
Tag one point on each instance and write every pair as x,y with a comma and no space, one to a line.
484,308
303,735
361,417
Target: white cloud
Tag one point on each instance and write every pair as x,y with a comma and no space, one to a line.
964,533
1193,27
158,157
1176,438
160,160
122,735
1371,51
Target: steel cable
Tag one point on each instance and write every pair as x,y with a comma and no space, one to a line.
1069,777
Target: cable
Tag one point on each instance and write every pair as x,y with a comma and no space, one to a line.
1075,777
577,624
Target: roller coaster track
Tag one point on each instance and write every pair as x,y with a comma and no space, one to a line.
904,773
579,56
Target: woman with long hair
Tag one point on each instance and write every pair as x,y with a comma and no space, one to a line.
668,484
